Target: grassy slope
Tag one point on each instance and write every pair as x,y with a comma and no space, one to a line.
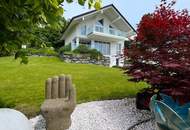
24,84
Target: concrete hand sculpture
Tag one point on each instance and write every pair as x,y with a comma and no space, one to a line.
60,102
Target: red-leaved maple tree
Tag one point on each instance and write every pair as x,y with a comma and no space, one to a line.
160,55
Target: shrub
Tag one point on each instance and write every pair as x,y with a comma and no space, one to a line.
95,54
33,51
8,49
22,53
48,52
161,53
66,48
42,51
82,49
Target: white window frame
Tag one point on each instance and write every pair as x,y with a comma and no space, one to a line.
102,47
118,49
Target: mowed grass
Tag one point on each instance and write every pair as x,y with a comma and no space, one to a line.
23,85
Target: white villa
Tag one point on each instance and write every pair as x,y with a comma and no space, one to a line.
105,30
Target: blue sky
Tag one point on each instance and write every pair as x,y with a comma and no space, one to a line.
132,10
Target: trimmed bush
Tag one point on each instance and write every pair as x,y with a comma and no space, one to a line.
22,53
95,54
82,49
42,51
66,48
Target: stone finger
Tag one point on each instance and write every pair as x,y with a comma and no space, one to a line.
68,84
72,94
48,87
55,87
62,86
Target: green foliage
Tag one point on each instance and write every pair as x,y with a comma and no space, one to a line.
69,53
48,36
42,51
7,49
97,5
82,49
95,54
66,48
21,19
22,53
127,44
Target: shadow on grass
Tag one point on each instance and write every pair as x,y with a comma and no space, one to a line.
5,104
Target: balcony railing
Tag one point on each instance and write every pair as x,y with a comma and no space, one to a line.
102,29
99,29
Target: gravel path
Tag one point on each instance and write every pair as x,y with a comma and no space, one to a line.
105,115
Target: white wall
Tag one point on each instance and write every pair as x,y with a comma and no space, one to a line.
70,35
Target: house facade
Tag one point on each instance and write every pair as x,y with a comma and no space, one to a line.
105,30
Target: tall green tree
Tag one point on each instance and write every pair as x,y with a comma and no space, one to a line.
19,18
47,36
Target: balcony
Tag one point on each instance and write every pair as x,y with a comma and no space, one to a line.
103,29
102,33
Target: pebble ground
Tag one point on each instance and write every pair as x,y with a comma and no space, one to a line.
105,115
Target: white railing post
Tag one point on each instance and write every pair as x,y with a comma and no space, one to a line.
77,42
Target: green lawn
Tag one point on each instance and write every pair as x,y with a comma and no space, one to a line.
23,85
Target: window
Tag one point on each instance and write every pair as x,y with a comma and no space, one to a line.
102,47
111,30
99,25
118,51
83,30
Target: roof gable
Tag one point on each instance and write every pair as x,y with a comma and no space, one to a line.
108,11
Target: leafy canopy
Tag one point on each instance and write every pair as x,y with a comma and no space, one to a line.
161,53
48,36
19,18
